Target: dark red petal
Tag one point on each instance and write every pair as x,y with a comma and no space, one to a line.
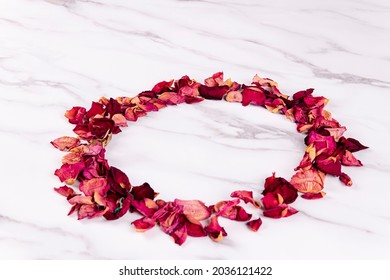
195,229
143,191
246,196
300,95
242,215
96,109
75,115
147,207
65,143
254,225
89,187
271,200
143,224
214,230
354,145
253,95
118,180
279,185
280,211
119,211
345,179
100,127
328,165
311,196
215,93
69,172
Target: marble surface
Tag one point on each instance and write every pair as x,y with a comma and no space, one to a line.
55,54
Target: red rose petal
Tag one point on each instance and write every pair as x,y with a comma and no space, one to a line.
65,191
279,185
345,179
214,93
253,95
281,211
328,165
143,191
254,225
354,145
246,196
311,196
143,224
75,115
214,230
68,172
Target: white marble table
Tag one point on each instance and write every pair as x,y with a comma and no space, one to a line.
55,54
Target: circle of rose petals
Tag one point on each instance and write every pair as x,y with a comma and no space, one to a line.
106,191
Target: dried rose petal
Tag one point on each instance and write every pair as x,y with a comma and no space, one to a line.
311,196
214,93
119,120
233,96
195,229
329,165
90,211
194,209
69,172
279,185
349,159
246,196
179,235
308,181
118,180
345,179
143,224
214,230
65,191
215,80
271,200
322,144
171,98
80,199
163,87
147,207
254,225
89,187
96,109
75,115
281,211
253,95
336,132
354,145
143,191
65,143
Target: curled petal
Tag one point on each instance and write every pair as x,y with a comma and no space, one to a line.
171,98
69,172
143,224
281,186
345,179
179,235
311,196
80,199
143,191
271,200
65,143
308,181
90,211
254,225
214,230
75,115
349,159
281,211
147,207
163,87
354,145
195,229
65,191
118,180
246,196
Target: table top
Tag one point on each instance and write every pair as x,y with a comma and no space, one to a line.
56,54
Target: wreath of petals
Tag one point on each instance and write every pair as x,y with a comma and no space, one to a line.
100,189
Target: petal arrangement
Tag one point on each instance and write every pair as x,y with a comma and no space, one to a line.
99,189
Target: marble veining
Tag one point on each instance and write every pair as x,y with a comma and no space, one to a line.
55,54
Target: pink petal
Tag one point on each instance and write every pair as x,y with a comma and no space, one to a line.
69,172
65,143
246,196
194,209
143,224
254,225
88,187
311,196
